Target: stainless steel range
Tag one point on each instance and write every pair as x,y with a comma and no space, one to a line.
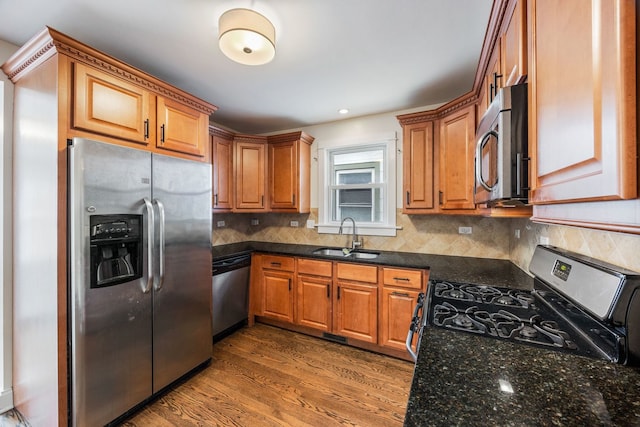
579,305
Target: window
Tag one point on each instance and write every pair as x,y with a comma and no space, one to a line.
358,181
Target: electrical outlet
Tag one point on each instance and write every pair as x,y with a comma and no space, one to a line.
293,223
311,223
544,240
517,233
465,230
220,224
255,221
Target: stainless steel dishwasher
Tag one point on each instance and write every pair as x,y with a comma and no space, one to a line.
230,308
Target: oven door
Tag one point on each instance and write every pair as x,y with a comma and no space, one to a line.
417,323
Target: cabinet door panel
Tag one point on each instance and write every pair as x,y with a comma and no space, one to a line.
222,160
314,302
283,167
181,128
250,176
357,308
277,295
110,106
582,100
513,44
457,178
397,311
418,152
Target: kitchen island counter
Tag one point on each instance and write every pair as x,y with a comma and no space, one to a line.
462,379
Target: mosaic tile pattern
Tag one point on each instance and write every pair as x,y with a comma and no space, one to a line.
620,249
433,234
438,234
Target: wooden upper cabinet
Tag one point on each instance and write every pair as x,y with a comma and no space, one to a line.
250,173
222,173
582,103
513,44
290,172
181,128
117,108
457,137
111,106
418,167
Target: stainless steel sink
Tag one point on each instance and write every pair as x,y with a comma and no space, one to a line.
337,252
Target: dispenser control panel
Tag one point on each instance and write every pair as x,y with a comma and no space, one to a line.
111,228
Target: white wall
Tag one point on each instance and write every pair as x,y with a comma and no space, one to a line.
6,127
357,129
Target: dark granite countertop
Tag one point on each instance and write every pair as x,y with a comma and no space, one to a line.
496,272
462,379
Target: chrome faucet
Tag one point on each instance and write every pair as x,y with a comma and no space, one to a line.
355,242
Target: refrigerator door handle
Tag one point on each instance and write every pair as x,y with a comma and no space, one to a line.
150,238
161,239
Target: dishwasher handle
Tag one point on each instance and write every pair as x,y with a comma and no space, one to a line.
229,264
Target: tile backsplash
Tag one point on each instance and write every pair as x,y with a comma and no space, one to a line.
620,249
438,234
434,234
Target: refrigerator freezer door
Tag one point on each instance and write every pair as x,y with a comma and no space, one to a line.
182,331
110,326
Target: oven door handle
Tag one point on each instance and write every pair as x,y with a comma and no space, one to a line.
414,326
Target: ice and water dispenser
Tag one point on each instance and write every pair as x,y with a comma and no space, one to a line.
116,249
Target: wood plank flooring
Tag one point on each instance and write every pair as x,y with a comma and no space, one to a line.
265,376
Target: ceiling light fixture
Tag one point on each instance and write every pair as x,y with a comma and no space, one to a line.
247,37
343,111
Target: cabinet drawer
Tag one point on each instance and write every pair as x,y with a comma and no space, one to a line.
275,262
315,267
401,277
358,272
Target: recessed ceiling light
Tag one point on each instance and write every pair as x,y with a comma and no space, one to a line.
343,111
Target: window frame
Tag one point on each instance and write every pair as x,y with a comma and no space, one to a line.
387,226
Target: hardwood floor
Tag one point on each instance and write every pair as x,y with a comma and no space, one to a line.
265,376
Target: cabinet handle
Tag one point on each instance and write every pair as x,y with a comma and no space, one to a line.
404,279
293,199
289,284
440,196
162,134
146,129
490,92
328,291
408,199
276,264
215,200
400,294
262,200
496,76
338,292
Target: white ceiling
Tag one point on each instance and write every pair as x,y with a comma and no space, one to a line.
370,56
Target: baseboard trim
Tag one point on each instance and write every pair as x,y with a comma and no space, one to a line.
6,400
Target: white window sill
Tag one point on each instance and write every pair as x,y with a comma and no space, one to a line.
364,229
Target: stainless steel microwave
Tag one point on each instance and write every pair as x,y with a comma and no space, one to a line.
501,155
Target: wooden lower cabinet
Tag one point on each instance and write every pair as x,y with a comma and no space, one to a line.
313,294
400,289
363,305
395,316
357,311
277,287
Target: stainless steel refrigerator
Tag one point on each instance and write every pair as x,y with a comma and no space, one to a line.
140,264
